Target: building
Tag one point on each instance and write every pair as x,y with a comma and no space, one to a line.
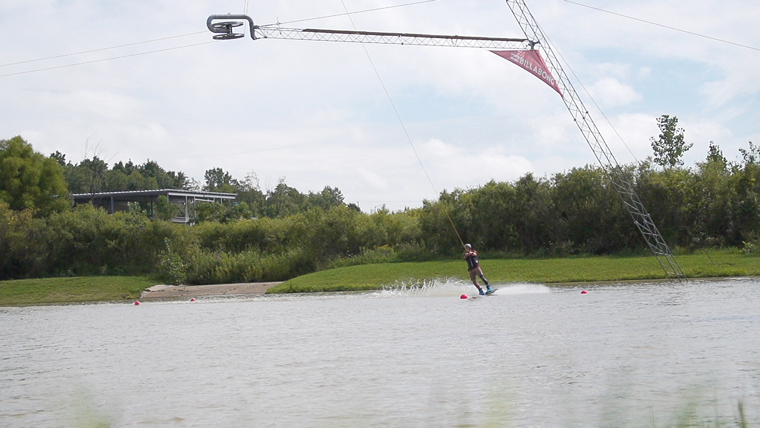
185,200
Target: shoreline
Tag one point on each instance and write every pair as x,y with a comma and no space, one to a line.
174,292
557,272
166,292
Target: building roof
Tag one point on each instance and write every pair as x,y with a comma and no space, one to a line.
159,192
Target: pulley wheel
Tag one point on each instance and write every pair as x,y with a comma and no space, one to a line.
226,24
228,36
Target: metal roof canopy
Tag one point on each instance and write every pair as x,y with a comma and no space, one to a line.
119,201
124,195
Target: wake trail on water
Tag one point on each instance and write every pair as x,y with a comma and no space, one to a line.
445,287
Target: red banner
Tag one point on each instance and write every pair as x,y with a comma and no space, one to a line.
531,60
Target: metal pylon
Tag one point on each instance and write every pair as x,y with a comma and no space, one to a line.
596,142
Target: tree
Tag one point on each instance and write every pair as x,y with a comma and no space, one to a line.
165,210
329,197
746,203
711,200
164,179
210,211
125,168
284,200
715,155
590,214
250,192
96,170
29,180
59,157
670,146
751,156
218,180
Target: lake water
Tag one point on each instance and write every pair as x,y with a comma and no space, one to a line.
629,355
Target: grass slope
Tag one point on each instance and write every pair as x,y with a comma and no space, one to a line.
72,290
374,276
546,271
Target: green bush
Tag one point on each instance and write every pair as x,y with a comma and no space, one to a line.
211,267
384,254
414,252
171,268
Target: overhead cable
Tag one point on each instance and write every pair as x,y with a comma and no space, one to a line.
401,122
665,26
101,49
357,12
105,59
171,37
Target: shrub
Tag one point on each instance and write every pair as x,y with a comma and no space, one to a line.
171,268
212,267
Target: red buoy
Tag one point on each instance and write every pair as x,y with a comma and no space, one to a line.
584,292
137,302
463,296
193,299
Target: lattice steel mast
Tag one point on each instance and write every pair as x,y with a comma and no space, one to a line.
223,26
598,145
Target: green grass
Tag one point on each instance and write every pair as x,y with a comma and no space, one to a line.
375,276
545,271
72,290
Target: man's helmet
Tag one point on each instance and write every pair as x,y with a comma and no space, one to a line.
468,246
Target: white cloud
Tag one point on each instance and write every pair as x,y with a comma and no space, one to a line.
459,166
616,70
721,92
644,73
372,180
610,92
108,105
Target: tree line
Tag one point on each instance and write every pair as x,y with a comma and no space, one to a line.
93,175
280,233
714,204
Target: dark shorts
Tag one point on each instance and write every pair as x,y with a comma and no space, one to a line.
474,272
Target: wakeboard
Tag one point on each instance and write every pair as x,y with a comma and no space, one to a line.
493,290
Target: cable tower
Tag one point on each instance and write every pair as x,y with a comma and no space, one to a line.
534,42
598,145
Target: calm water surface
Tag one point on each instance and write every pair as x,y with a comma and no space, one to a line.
634,355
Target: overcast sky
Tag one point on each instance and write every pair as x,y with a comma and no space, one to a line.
316,113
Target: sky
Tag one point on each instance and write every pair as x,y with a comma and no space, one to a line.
143,80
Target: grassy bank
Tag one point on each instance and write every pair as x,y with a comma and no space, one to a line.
72,290
374,276
546,271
